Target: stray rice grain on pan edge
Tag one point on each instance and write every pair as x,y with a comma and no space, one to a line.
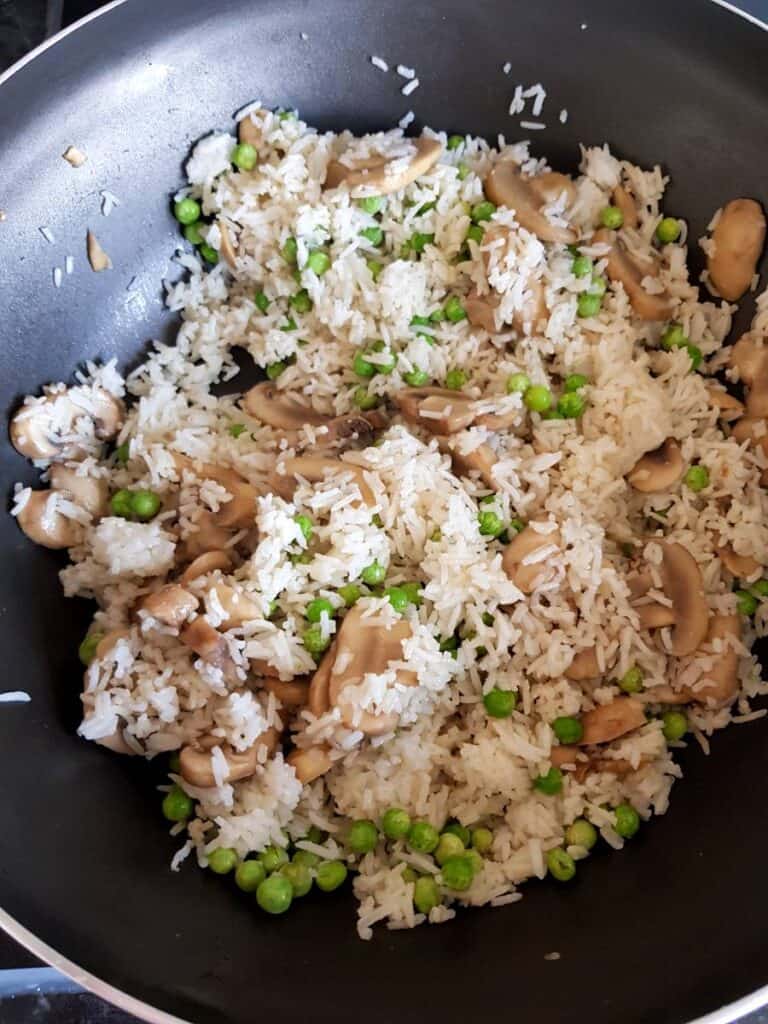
431,609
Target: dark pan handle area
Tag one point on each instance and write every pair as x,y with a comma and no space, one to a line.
672,928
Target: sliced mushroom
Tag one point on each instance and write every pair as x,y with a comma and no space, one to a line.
32,431
748,357
436,410
197,764
624,202
481,310
655,615
363,647
741,566
227,246
115,742
584,665
211,646
625,269
43,524
658,470
108,414
319,700
310,763
722,678
203,564
738,239
505,186
292,693
480,460
551,185
728,407
607,722
238,607
315,469
639,583
527,575
109,641
248,132
208,536
172,605
280,410
572,759
90,493
684,586
754,430
97,258
384,175
239,512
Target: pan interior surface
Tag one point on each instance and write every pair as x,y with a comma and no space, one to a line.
669,930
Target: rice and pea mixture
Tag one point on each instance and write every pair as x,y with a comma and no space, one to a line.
432,607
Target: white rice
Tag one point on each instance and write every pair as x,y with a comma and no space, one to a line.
380,63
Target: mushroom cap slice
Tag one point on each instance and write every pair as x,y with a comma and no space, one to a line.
292,693
97,257
208,536
658,470
481,310
505,186
227,246
44,525
748,356
607,722
624,202
623,269
528,575
722,678
655,615
436,410
172,605
741,566
197,766
211,646
728,407
248,132
278,409
319,700
683,584
552,184
584,665
203,564
31,432
90,493
238,513
310,763
108,414
738,237
238,607
754,430
480,460
315,469
383,175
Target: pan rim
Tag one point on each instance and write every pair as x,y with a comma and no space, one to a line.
727,1014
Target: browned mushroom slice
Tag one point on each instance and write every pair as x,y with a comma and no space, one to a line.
658,470
203,564
384,175
363,647
172,605
480,460
436,410
315,469
310,763
319,700
197,764
525,574
741,566
44,525
109,641
107,412
481,310
208,536
748,357
655,615
584,665
609,721
97,258
722,677
226,245
90,493
248,132
573,760
237,513
551,185
738,239
754,430
237,606
626,270
505,186
280,410
564,755
639,583
211,646
728,407
116,743
292,693
684,586
624,202
32,431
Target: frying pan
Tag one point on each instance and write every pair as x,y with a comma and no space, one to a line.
671,929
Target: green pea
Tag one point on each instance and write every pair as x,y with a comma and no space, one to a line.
373,574
454,311
611,217
409,875
537,398
373,235
372,204
455,380
419,240
222,860
674,725
273,858
121,505
567,729
86,652
455,828
301,301
244,156
398,598
575,382
423,837
330,875
318,261
187,211
483,211
362,367
760,589
581,833
314,640
275,894
304,523
571,405
209,254
193,232
518,383
560,864
450,643
627,821
697,478
500,703
475,234
632,680
668,230
426,894
275,369
375,268
416,378
746,603
448,846
363,400
363,836
551,783
177,806
412,591
145,505
290,251
300,877
458,873
319,607
673,337
249,874
236,429
695,355
262,302
454,142
482,839
582,266
489,524
289,325
588,305
436,536
395,823
462,170
349,594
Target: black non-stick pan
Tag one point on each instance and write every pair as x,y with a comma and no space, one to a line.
673,928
